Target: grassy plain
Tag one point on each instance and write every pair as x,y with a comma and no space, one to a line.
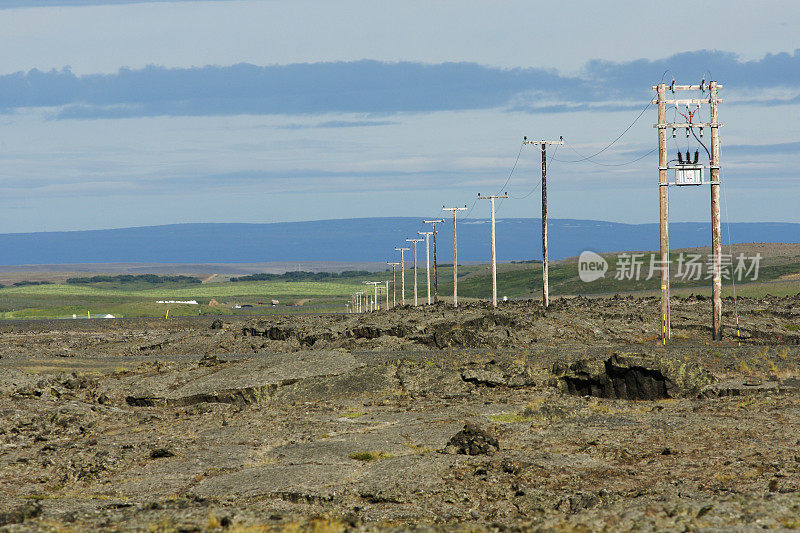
62,300
779,275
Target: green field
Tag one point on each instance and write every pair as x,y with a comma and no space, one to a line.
63,300
779,276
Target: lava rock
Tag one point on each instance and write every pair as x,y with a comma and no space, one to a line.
210,360
19,514
632,376
160,453
472,440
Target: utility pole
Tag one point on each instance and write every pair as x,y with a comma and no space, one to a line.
545,264
394,285
684,169
387,294
369,305
663,212
716,241
415,241
403,272
427,261
455,211
435,276
375,303
494,255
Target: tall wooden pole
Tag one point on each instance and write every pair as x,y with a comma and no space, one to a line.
455,211
427,261
494,254
394,285
663,218
435,274
403,273
545,264
455,263
545,268
494,261
415,241
716,242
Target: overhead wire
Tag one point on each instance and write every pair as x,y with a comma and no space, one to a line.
612,143
538,183
508,179
730,252
513,168
605,164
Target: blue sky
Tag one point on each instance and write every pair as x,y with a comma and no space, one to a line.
125,113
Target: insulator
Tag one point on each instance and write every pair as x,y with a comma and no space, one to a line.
687,133
701,132
674,134
680,158
696,156
688,157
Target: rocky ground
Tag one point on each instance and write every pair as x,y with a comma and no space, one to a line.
574,419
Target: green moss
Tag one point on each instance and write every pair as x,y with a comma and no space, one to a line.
352,414
370,456
511,418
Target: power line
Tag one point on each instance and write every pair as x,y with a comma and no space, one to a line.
513,168
508,179
605,164
609,145
538,184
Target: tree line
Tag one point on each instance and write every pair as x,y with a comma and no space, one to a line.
134,278
302,275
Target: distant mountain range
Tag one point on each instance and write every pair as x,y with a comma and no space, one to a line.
360,240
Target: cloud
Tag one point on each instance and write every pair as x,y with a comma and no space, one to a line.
789,148
387,88
340,124
16,4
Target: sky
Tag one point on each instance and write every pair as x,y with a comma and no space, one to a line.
126,113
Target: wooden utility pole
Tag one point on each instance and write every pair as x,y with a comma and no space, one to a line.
403,272
375,302
369,305
716,242
545,263
394,285
387,294
494,255
435,276
455,210
663,210
415,241
663,183
427,261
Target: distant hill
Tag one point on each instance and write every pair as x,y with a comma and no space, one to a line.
364,240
